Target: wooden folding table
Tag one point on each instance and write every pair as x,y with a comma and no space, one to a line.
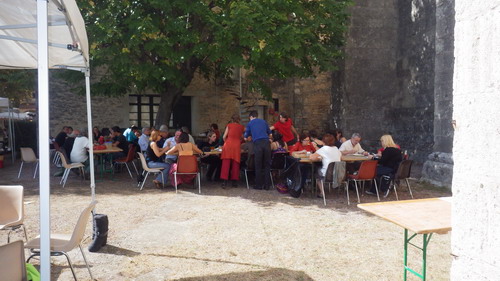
423,216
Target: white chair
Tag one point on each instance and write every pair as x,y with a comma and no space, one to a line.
335,174
67,168
148,170
62,243
12,264
28,156
12,209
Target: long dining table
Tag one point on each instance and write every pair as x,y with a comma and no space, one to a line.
101,153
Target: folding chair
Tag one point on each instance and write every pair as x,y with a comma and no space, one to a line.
60,244
12,209
28,156
187,165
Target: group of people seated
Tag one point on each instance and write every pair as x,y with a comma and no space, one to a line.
258,139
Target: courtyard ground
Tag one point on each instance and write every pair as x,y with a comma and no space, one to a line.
227,234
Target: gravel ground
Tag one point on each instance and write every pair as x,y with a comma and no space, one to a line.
227,234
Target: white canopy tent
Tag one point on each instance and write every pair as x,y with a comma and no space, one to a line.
45,34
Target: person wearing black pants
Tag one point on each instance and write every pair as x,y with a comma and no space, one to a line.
259,131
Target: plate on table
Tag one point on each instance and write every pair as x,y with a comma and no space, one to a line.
358,155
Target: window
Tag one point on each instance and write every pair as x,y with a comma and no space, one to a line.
142,109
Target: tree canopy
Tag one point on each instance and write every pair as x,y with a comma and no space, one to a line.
17,85
159,45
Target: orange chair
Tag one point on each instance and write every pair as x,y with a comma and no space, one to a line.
367,172
129,159
187,165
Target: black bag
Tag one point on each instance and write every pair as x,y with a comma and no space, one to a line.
385,183
292,177
100,232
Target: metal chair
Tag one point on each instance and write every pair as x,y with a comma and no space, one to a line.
12,264
187,165
60,244
12,209
335,174
367,172
403,173
28,156
148,170
129,159
67,168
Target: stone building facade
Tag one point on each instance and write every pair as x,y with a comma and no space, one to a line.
396,78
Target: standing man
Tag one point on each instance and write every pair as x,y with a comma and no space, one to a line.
259,130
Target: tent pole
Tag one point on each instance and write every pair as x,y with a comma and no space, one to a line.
12,146
90,127
43,137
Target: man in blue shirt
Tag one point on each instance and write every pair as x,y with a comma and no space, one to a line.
259,130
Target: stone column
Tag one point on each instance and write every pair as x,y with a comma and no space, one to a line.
475,239
438,168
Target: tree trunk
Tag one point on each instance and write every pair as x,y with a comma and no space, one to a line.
169,99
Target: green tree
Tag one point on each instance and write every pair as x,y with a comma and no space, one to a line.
18,85
160,44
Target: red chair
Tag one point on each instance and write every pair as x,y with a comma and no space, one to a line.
129,159
367,172
187,165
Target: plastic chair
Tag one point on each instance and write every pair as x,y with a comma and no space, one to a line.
278,163
403,173
60,244
249,168
28,156
67,168
367,172
56,160
335,174
148,170
12,265
129,159
187,165
12,209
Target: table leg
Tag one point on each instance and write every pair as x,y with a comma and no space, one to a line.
425,242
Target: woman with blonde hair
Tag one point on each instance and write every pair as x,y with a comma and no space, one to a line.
388,162
231,151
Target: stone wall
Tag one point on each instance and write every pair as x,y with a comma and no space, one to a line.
476,183
70,109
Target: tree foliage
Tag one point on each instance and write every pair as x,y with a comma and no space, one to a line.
17,85
160,44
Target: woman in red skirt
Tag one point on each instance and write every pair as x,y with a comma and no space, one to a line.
231,151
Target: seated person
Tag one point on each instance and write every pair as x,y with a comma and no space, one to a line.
352,146
155,160
304,145
313,135
327,154
213,161
69,142
79,152
184,147
277,144
144,139
170,143
118,140
388,163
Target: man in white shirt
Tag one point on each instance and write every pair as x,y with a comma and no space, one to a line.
171,142
352,146
144,139
79,152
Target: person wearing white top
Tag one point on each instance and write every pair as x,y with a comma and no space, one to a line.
352,146
328,153
79,152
